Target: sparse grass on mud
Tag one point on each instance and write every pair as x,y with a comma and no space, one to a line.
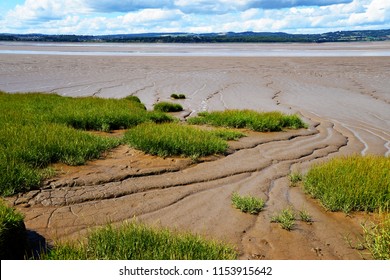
288,216
172,139
227,134
305,216
295,178
354,183
267,121
376,238
286,219
248,204
133,241
39,129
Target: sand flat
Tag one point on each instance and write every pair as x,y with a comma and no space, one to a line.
345,100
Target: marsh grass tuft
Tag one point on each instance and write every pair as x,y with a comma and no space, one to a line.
134,241
376,238
305,216
178,96
173,139
295,178
247,204
133,98
354,183
168,107
286,219
266,121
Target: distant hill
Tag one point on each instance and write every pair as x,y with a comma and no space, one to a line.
227,37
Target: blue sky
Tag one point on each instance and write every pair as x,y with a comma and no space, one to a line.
197,16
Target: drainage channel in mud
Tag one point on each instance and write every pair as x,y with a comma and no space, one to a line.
179,194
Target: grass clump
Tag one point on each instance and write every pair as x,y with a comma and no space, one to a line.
103,114
248,204
13,235
377,238
305,216
168,107
26,150
40,129
173,139
133,98
354,183
267,121
295,178
133,241
286,219
178,96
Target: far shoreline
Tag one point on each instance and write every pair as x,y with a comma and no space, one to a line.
347,49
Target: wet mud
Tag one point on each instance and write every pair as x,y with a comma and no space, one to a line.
344,101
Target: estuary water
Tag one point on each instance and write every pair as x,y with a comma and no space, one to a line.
212,50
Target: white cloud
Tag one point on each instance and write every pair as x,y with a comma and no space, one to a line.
250,14
211,7
152,15
136,16
126,6
377,11
45,10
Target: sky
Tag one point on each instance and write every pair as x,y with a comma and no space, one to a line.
98,17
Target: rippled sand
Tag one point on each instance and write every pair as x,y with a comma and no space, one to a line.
346,101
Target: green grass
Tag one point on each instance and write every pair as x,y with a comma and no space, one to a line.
227,134
178,96
295,178
26,150
173,139
133,98
286,219
354,183
13,235
168,107
40,129
305,216
267,121
133,241
248,204
377,238
104,114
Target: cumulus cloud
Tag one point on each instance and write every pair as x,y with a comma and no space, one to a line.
377,11
152,15
278,4
137,16
124,6
45,10
202,6
211,7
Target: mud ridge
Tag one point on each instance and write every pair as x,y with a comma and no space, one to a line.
168,194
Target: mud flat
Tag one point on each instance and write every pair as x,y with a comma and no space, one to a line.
345,101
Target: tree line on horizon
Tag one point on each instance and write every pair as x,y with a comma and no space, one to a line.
229,37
